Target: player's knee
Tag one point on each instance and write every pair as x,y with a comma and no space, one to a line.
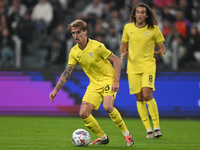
147,97
83,115
139,97
108,108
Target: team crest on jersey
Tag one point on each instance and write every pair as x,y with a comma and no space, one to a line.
146,33
91,55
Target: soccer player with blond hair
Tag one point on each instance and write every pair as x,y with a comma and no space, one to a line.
95,60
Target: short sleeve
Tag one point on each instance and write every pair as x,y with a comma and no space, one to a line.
72,61
104,52
125,37
159,36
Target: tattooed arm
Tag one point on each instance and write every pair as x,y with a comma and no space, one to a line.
63,79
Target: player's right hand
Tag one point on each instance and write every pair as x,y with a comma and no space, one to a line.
52,95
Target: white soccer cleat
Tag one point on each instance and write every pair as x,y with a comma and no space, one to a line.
157,133
149,135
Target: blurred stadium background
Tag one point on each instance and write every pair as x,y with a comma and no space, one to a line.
34,47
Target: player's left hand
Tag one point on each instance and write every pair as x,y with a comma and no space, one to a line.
115,87
160,52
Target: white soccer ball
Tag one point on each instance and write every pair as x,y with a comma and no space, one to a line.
80,137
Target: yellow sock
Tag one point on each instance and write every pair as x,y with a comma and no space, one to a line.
117,119
93,125
153,111
142,110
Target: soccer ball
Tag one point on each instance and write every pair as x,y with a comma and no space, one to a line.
80,137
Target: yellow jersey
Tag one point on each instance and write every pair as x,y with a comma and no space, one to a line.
94,61
141,44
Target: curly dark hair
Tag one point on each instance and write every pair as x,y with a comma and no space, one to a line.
150,20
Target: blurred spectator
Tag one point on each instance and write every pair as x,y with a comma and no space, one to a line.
42,16
58,14
25,30
93,11
125,14
197,18
49,17
182,25
113,40
59,34
165,13
164,3
149,2
116,21
56,57
99,38
64,5
194,39
158,15
166,27
4,23
104,24
174,47
131,3
29,3
15,12
98,30
186,9
107,11
188,60
119,4
7,48
3,7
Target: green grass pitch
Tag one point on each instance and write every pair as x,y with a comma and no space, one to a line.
54,133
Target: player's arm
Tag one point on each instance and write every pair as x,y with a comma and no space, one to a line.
63,79
116,62
161,50
123,50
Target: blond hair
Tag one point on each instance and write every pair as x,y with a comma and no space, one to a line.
78,23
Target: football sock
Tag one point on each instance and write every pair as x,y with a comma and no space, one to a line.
142,110
156,129
93,125
117,119
153,111
149,130
104,137
126,133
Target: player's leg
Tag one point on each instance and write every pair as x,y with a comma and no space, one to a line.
92,100
135,86
143,113
114,114
90,121
147,92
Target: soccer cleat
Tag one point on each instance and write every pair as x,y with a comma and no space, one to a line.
149,135
157,133
129,140
100,142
